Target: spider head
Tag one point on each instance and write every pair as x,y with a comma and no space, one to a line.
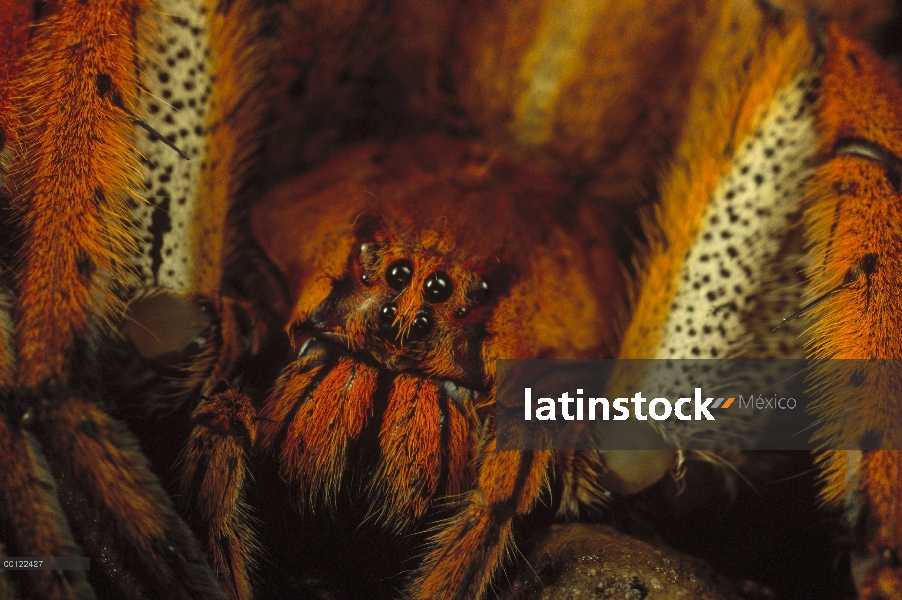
408,299
434,258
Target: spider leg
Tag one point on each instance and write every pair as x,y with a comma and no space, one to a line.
326,409
31,510
410,466
117,507
214,479
853,223
426,439
78,77
472,545
202,62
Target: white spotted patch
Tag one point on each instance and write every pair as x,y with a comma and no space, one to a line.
743,275
176,104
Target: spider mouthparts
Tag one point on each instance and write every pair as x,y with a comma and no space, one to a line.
460,394
307,339
333,336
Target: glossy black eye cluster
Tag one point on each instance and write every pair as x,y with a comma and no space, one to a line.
437,288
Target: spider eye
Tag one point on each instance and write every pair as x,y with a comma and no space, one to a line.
438,287
369,254
481,292
399,274
387,314
422,324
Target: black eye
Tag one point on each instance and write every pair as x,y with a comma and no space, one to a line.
481,292
387,314
422,324
438,287
399,274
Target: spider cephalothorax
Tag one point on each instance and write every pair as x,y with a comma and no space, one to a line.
409,253
402,328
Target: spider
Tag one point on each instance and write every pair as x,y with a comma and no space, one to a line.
402,304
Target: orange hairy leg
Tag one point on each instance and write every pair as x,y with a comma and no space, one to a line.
317,448
77,84
214,480
117,508
31,508
79,483
29,502
473,544
28,494
411,467
855,220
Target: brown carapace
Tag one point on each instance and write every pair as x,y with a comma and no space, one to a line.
417,265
